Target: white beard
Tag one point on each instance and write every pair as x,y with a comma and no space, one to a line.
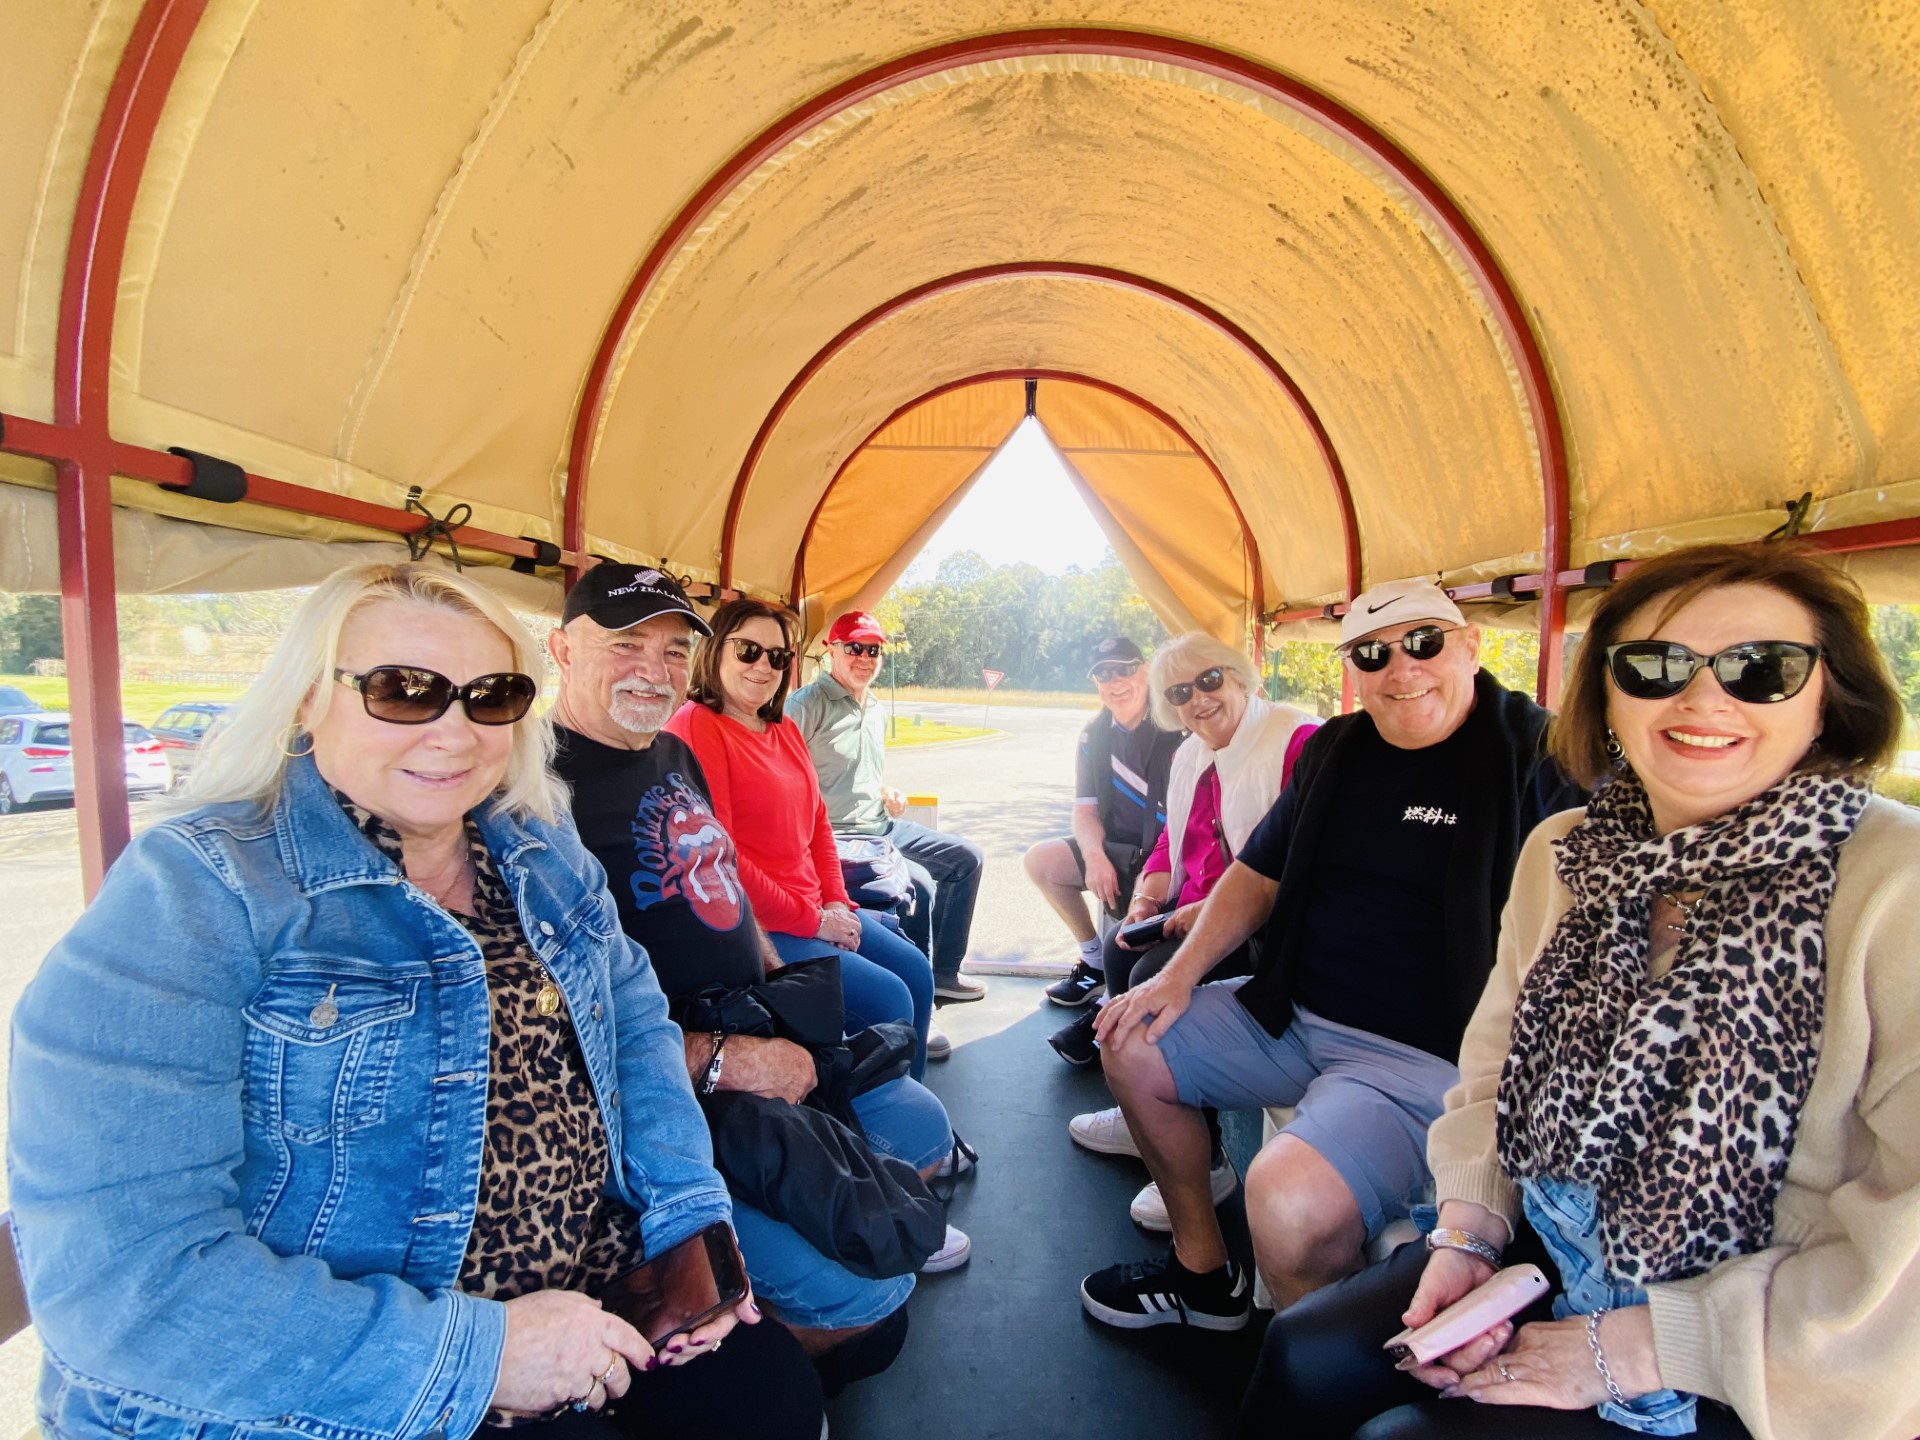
641,711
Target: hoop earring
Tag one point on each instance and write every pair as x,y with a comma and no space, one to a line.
290,737
1616,752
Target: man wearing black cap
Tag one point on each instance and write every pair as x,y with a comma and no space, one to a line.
643,808
1119,810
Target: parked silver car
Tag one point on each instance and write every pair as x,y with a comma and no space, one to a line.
36,760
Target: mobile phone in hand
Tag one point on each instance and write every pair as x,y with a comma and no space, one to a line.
1143,933
1475,1313
682,1288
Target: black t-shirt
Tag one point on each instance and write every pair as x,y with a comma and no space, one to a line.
1372,925
1125,773
645,816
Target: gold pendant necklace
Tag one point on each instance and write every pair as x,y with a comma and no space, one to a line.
547,1001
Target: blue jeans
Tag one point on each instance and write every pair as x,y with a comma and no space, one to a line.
796,1282
889,979
946,883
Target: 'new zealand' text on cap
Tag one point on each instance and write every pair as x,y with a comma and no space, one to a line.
619,597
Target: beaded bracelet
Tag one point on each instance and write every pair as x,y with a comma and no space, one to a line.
1444,1239
1600,1360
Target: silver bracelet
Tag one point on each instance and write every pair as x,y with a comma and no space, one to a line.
1445,1239
1600,1360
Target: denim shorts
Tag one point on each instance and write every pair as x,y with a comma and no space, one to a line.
805,1288
1361,1101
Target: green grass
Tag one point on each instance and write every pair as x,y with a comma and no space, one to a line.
140,700
933,732
1073,699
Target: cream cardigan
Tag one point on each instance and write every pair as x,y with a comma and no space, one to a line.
1250,767
1818,1335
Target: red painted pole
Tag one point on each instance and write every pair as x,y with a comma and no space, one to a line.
82,375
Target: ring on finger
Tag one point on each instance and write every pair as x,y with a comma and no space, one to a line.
1505,1374
601,1378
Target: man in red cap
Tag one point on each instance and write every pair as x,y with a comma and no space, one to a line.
845,732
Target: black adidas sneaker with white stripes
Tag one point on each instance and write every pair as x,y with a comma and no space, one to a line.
1162,1291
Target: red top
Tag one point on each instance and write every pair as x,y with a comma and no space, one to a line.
766,795
1200,854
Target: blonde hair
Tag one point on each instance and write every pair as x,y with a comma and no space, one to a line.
247,758
1199,652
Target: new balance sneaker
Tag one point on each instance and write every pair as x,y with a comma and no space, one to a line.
958,988
1082,987
939,1047
1103,1130
1162,1291
1149,1211
957,1250
1074,1043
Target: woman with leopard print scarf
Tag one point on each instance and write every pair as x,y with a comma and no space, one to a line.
1691,1091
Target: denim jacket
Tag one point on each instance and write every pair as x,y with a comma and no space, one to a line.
248,1112
1566,1217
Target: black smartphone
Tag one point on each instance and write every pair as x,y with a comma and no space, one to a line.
1143,933
681,1289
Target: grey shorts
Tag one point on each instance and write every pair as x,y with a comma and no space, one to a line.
1362,1102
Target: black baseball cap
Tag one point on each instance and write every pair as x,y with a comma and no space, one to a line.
1114,650
619,597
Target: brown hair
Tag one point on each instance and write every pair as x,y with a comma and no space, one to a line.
703,684
1861,715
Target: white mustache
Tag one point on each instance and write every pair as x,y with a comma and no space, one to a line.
642,689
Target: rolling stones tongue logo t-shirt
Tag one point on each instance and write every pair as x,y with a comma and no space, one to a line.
669,863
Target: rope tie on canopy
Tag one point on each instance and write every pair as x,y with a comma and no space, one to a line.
438,527
1797,512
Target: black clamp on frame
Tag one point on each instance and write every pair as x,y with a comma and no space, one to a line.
1501,588
1598,575
545,553
220,481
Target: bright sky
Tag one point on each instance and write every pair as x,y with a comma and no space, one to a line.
1023,509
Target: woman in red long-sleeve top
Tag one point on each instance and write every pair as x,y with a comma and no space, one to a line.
765,792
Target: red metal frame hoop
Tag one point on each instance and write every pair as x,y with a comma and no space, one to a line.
1473,251
1069,377
1100,274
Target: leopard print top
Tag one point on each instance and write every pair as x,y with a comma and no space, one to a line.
543,1220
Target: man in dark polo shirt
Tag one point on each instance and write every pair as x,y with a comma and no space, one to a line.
1379,876
1119,810
641,803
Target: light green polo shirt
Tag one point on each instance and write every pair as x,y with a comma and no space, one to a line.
848,742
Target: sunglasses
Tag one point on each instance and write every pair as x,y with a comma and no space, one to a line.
409,695
750,651
1420,644
1206,682
854,647
1117,670
1757,672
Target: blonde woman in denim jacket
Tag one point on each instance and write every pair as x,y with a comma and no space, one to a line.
347,1095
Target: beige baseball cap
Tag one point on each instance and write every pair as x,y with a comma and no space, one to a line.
1398,602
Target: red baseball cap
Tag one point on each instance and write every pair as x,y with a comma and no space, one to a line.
856,625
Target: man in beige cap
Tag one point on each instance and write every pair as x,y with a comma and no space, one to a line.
1376,884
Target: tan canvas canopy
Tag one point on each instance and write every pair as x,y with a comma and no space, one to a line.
1356,291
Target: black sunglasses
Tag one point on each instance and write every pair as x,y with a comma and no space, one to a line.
1422,643
854,647
1115,670
1206,682
750,652
409,695
1757,672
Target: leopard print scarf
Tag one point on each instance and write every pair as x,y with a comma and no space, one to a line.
1677,1097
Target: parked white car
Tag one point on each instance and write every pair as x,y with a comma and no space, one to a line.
36,760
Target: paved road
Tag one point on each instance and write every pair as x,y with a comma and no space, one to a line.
1004,792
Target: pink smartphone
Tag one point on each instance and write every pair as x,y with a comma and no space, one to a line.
1501,1298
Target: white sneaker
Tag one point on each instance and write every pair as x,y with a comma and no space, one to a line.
1103,1130
950,1256
1149,1211
960,1160
939,1047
